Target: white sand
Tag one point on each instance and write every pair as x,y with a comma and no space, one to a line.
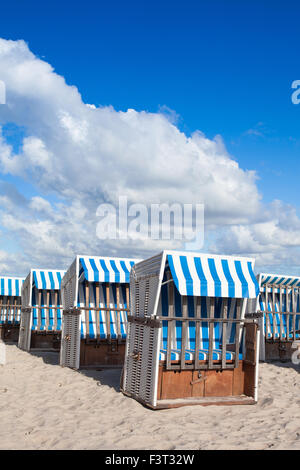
44,406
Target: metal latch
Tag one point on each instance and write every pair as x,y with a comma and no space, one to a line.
200,379
254,315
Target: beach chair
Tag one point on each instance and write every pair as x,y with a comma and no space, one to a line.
10,308
95,293
279,300
189,341
41,313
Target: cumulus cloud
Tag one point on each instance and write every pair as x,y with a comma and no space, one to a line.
77,156
274,240
139,154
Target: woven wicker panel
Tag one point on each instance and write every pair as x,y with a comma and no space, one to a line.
25,331
70,341
141,362
68,287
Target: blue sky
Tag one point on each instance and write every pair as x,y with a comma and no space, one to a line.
223,67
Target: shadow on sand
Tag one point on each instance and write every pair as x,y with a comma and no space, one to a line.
49,357
109,377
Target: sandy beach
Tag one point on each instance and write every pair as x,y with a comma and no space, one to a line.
44,406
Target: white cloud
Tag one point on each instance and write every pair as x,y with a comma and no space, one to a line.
86,155
274,240
139,154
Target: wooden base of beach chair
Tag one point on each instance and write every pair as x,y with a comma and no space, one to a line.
181,384
204,401
9,333
278,351
206,387
45,340
101,354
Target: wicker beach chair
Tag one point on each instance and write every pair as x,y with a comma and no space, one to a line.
279,300
95,292
41,313
188,339
10,308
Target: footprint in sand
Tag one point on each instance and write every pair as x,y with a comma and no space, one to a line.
266,402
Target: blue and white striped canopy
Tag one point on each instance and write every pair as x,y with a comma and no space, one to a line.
199,274
278,280
47,279
11,286
112,270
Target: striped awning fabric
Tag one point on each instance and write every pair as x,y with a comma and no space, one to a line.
47,279
113,270
199,274
115,301
11,286
278,280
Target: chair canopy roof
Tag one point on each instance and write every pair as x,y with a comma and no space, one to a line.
278,280
199,274
47,278
105,269
11,286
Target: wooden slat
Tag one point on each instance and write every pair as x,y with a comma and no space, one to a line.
183,331
55,310
47,311
211,332
294,311
87,313
118,313
8,309
171,324
15,309
2,308
296,302
237,332
97,313
12,313
281,314
224,331
108,312
273,312
267,310
104,309
207,320
127,303
11,309
287,315
198,330
50,308
39,309
127,297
